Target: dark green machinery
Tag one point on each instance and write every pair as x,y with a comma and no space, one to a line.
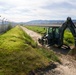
54,34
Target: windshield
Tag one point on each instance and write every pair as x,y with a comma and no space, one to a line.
49,30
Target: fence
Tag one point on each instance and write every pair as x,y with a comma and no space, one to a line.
4,28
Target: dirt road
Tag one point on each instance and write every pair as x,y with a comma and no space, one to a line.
68,66
33,34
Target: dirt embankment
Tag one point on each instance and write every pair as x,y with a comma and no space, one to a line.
68,66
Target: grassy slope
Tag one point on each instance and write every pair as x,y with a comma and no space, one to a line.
19,53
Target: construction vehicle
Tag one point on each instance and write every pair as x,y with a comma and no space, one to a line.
54,34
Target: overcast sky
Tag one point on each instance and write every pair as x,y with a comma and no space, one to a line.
26,10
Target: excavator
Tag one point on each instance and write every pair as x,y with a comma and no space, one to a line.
54,34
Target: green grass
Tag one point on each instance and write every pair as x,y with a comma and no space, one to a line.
40,30
19,54
68,38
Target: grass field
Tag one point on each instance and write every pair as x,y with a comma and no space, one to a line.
40,30
19,54
68,38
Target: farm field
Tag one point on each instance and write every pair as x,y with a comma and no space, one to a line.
19,54
40,30
68,37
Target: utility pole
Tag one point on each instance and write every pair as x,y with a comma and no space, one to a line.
0,24
3,29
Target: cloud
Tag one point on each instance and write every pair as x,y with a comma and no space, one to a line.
26,10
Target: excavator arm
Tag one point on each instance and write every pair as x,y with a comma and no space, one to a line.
68,24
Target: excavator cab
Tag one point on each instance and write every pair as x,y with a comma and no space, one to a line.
53,35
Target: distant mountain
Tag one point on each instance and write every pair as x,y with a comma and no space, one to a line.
74,21
44,21
36,22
